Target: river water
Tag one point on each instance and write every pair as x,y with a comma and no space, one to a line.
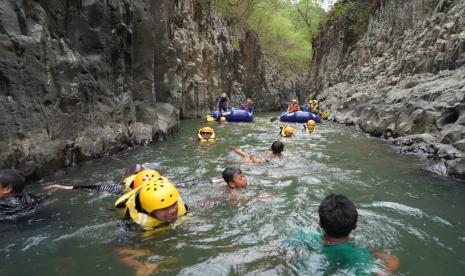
403,209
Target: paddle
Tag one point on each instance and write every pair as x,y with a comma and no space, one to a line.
277,117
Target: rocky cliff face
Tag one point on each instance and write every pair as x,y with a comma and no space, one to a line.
403,78
83,79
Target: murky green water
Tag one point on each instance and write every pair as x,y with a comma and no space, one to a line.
403,209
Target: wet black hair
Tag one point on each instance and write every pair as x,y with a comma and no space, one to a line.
277,147
13,178
133,170
338,216
229,173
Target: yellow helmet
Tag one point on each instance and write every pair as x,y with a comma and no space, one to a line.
206,129
288,131
224,94
311,123
315,102
144,177
223,119
158,194
293,100
209,118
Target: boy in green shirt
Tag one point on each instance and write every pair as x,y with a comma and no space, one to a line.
334,253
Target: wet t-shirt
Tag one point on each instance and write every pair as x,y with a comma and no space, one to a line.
18,206
318,258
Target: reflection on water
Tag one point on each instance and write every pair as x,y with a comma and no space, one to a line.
403,209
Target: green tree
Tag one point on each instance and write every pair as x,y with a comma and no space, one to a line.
285,28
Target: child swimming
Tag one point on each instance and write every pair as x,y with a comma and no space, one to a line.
277,149
338,218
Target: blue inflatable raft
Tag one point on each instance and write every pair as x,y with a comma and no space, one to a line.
233,116
298,117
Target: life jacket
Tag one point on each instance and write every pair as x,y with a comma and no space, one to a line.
315,109
314,131
133,209
293,107
209,140
324,114
209,119
129,182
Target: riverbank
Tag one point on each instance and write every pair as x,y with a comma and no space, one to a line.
395,69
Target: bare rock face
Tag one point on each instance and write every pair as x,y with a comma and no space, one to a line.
83,79
403,79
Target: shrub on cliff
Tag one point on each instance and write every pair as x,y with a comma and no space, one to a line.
285,28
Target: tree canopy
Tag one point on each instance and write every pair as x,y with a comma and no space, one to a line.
285,28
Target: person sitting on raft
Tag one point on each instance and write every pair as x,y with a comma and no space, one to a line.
293,106
276,152
222,102
310,127
134,177
153,205
313,107
248,105
13,202
287,131
206,134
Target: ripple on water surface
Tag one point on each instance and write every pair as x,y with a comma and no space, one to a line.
403,210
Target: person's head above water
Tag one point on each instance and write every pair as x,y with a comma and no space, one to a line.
338,216
11,182
277,147
159,199
287,131
310,124
134,169
206,133
234,178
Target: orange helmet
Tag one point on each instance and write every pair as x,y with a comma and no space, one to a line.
287,131
311,123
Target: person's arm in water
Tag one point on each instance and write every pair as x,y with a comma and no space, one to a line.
195,182
237,150
129,257
246,157
109,188
392,262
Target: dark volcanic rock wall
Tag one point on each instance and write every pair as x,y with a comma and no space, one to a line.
403,78
82,79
